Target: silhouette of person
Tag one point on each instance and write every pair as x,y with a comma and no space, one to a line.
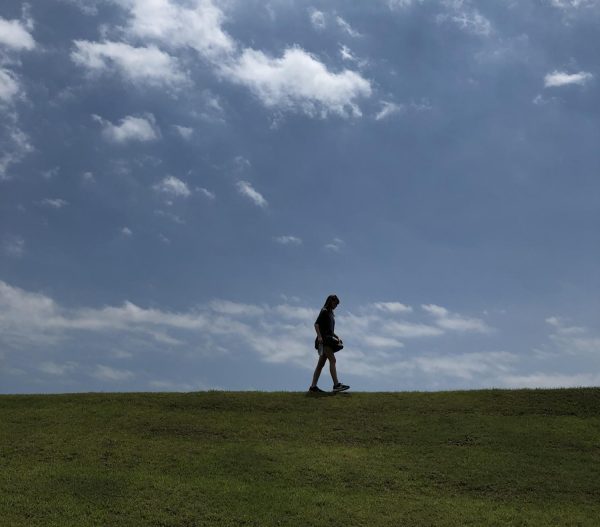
326,339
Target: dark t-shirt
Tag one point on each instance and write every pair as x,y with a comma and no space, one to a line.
326,322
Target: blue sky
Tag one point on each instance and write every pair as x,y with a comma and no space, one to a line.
182,183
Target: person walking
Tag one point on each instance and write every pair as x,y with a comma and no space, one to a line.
324,344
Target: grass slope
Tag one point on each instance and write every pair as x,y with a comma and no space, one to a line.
481,458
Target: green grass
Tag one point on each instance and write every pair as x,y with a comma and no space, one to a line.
480,458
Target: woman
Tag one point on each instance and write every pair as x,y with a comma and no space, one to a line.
325,326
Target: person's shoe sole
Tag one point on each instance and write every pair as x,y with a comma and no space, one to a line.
341,389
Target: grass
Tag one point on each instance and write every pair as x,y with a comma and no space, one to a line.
480,458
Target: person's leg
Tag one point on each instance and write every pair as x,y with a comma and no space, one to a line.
317,373
328,352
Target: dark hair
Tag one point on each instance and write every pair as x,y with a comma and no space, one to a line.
330,300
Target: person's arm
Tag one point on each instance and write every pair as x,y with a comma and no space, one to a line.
319,337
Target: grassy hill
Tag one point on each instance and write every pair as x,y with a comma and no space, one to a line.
481,458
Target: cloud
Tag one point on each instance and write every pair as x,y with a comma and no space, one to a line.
466,17
388,109
195,24
410,330
572,340
140,65
298,82
378,341
346,27
561,78
14,145
130,128
551,380
317,19
288,240
14,35
9,86
281,334
455,322
14,246
173,186
106,373
574,4
335,245
126,232
55,203
246,189
392,307
207,193
52,368
184,131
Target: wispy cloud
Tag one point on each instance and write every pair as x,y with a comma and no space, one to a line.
335,245
288,240
140,65
130,128
346,27
14,246
561,78
247,190
317,19
55,203
173,187
388,109
454,322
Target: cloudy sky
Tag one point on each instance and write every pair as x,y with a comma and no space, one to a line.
183,182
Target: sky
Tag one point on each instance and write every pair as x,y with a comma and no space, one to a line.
183,182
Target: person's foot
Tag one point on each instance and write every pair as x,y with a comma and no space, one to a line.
339,387
315,389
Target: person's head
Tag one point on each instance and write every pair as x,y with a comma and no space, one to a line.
332,302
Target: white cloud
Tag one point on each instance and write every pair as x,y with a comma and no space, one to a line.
140,65
14,146
551,380
173,186
236,308
9,86
317,19
184,131
572,340
55,203
388,109
276,334
402,4
346,27
126,232
14,246
392,307
14,34
52,368
288,240
130,128
379,341
574,4
246,189
195,24
409,330
298,82
466,17
207,193
106,373
455,322
561,78
335,245
347,54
